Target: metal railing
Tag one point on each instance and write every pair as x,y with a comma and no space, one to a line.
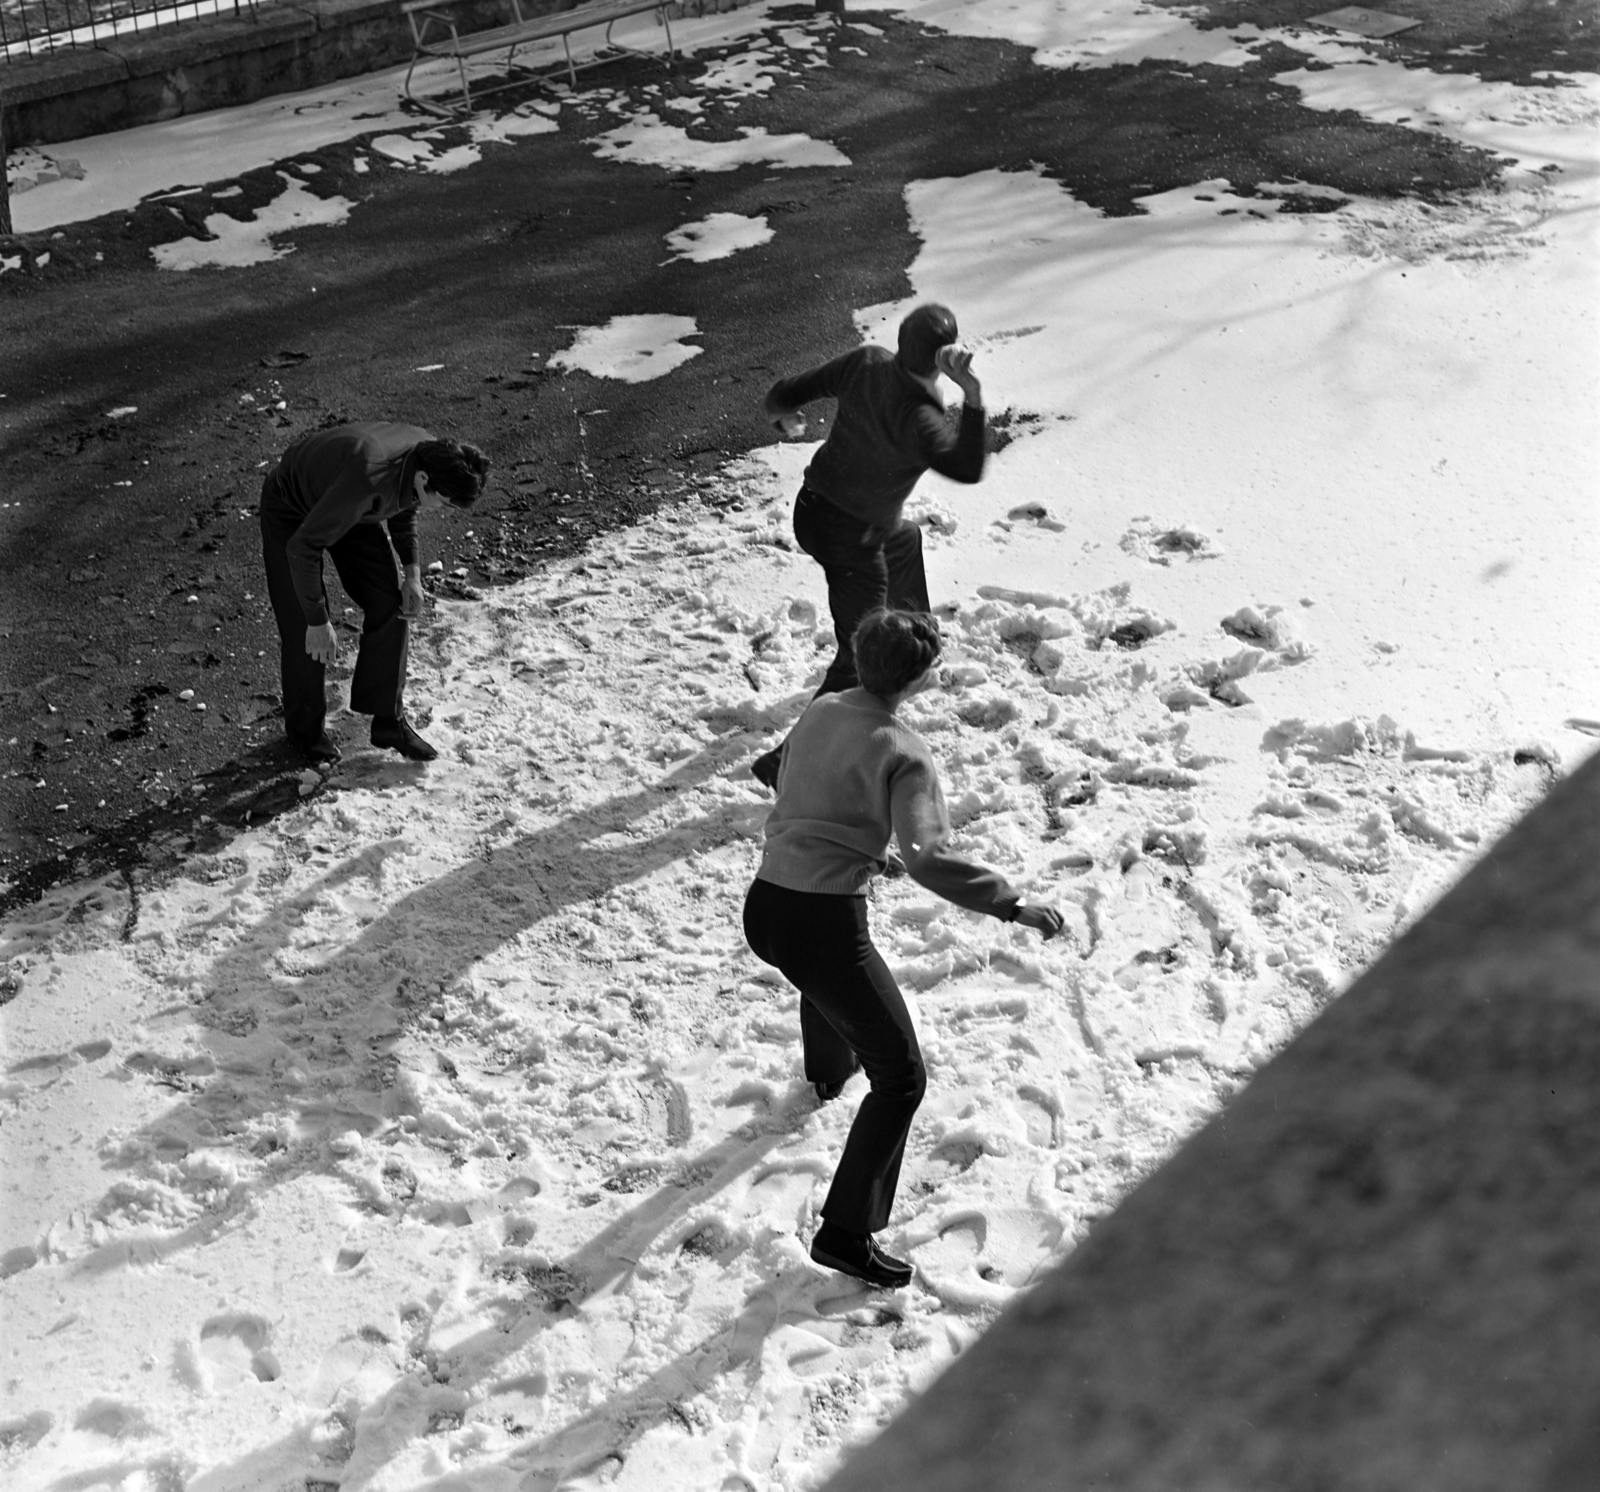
35,28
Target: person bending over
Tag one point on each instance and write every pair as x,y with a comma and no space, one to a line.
889,429
353,493
851,774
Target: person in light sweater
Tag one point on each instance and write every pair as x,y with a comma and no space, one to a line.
851,774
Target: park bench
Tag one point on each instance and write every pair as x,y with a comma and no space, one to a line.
434,34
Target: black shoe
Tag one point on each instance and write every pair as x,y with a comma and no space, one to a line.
320,750
858,1255
765,768
827,1092
396,734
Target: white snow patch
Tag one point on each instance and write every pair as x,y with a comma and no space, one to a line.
1088,33
406,149
634,349
718,236
746,75
1312,379
234,243
647,140
1537,128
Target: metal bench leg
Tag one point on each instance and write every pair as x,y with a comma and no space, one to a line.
466,92
666,20
566,46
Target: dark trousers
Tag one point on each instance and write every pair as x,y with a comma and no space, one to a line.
366,565
850,1007
866,568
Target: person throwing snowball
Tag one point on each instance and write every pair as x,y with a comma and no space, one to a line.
850,774
353,493
889,429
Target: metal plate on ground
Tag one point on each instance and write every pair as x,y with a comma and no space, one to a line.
1373,23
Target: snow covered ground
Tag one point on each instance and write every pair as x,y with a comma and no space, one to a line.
444,1134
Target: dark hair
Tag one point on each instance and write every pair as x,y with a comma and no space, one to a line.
923,333
894,649
455,470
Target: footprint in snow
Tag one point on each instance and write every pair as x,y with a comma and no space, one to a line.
1041,1113
953,1156
664,1109
14,1261
51,1063
1136,632
979,1258
233,1349
1161,545
1037,514
24,1433
113,1420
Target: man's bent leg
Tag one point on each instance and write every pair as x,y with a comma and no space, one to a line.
303,679
908,581
366,567
857,572
858,581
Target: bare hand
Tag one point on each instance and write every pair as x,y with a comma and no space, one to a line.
1046,921
412,597
322,644
956,365
790,426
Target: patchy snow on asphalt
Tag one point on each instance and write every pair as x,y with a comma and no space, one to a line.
123,168
648,140
633,349
236,243
717,236
443,1133
1545,130
1086,33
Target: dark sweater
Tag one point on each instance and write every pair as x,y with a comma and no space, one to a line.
335,479
851,774
889,430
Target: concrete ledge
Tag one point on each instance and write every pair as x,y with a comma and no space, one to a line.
330,15
29,79
213,63
1376,1270
151,53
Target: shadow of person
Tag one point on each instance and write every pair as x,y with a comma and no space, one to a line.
473,1367
311,1077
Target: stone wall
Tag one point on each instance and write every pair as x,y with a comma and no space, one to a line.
217,61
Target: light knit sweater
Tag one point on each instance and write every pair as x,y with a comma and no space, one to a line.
851,774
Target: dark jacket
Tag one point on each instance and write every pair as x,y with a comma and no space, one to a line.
888,430
335,479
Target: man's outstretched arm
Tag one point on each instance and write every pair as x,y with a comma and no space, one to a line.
788,395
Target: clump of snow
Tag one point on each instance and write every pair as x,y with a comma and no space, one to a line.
634,349
647,140
717,236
